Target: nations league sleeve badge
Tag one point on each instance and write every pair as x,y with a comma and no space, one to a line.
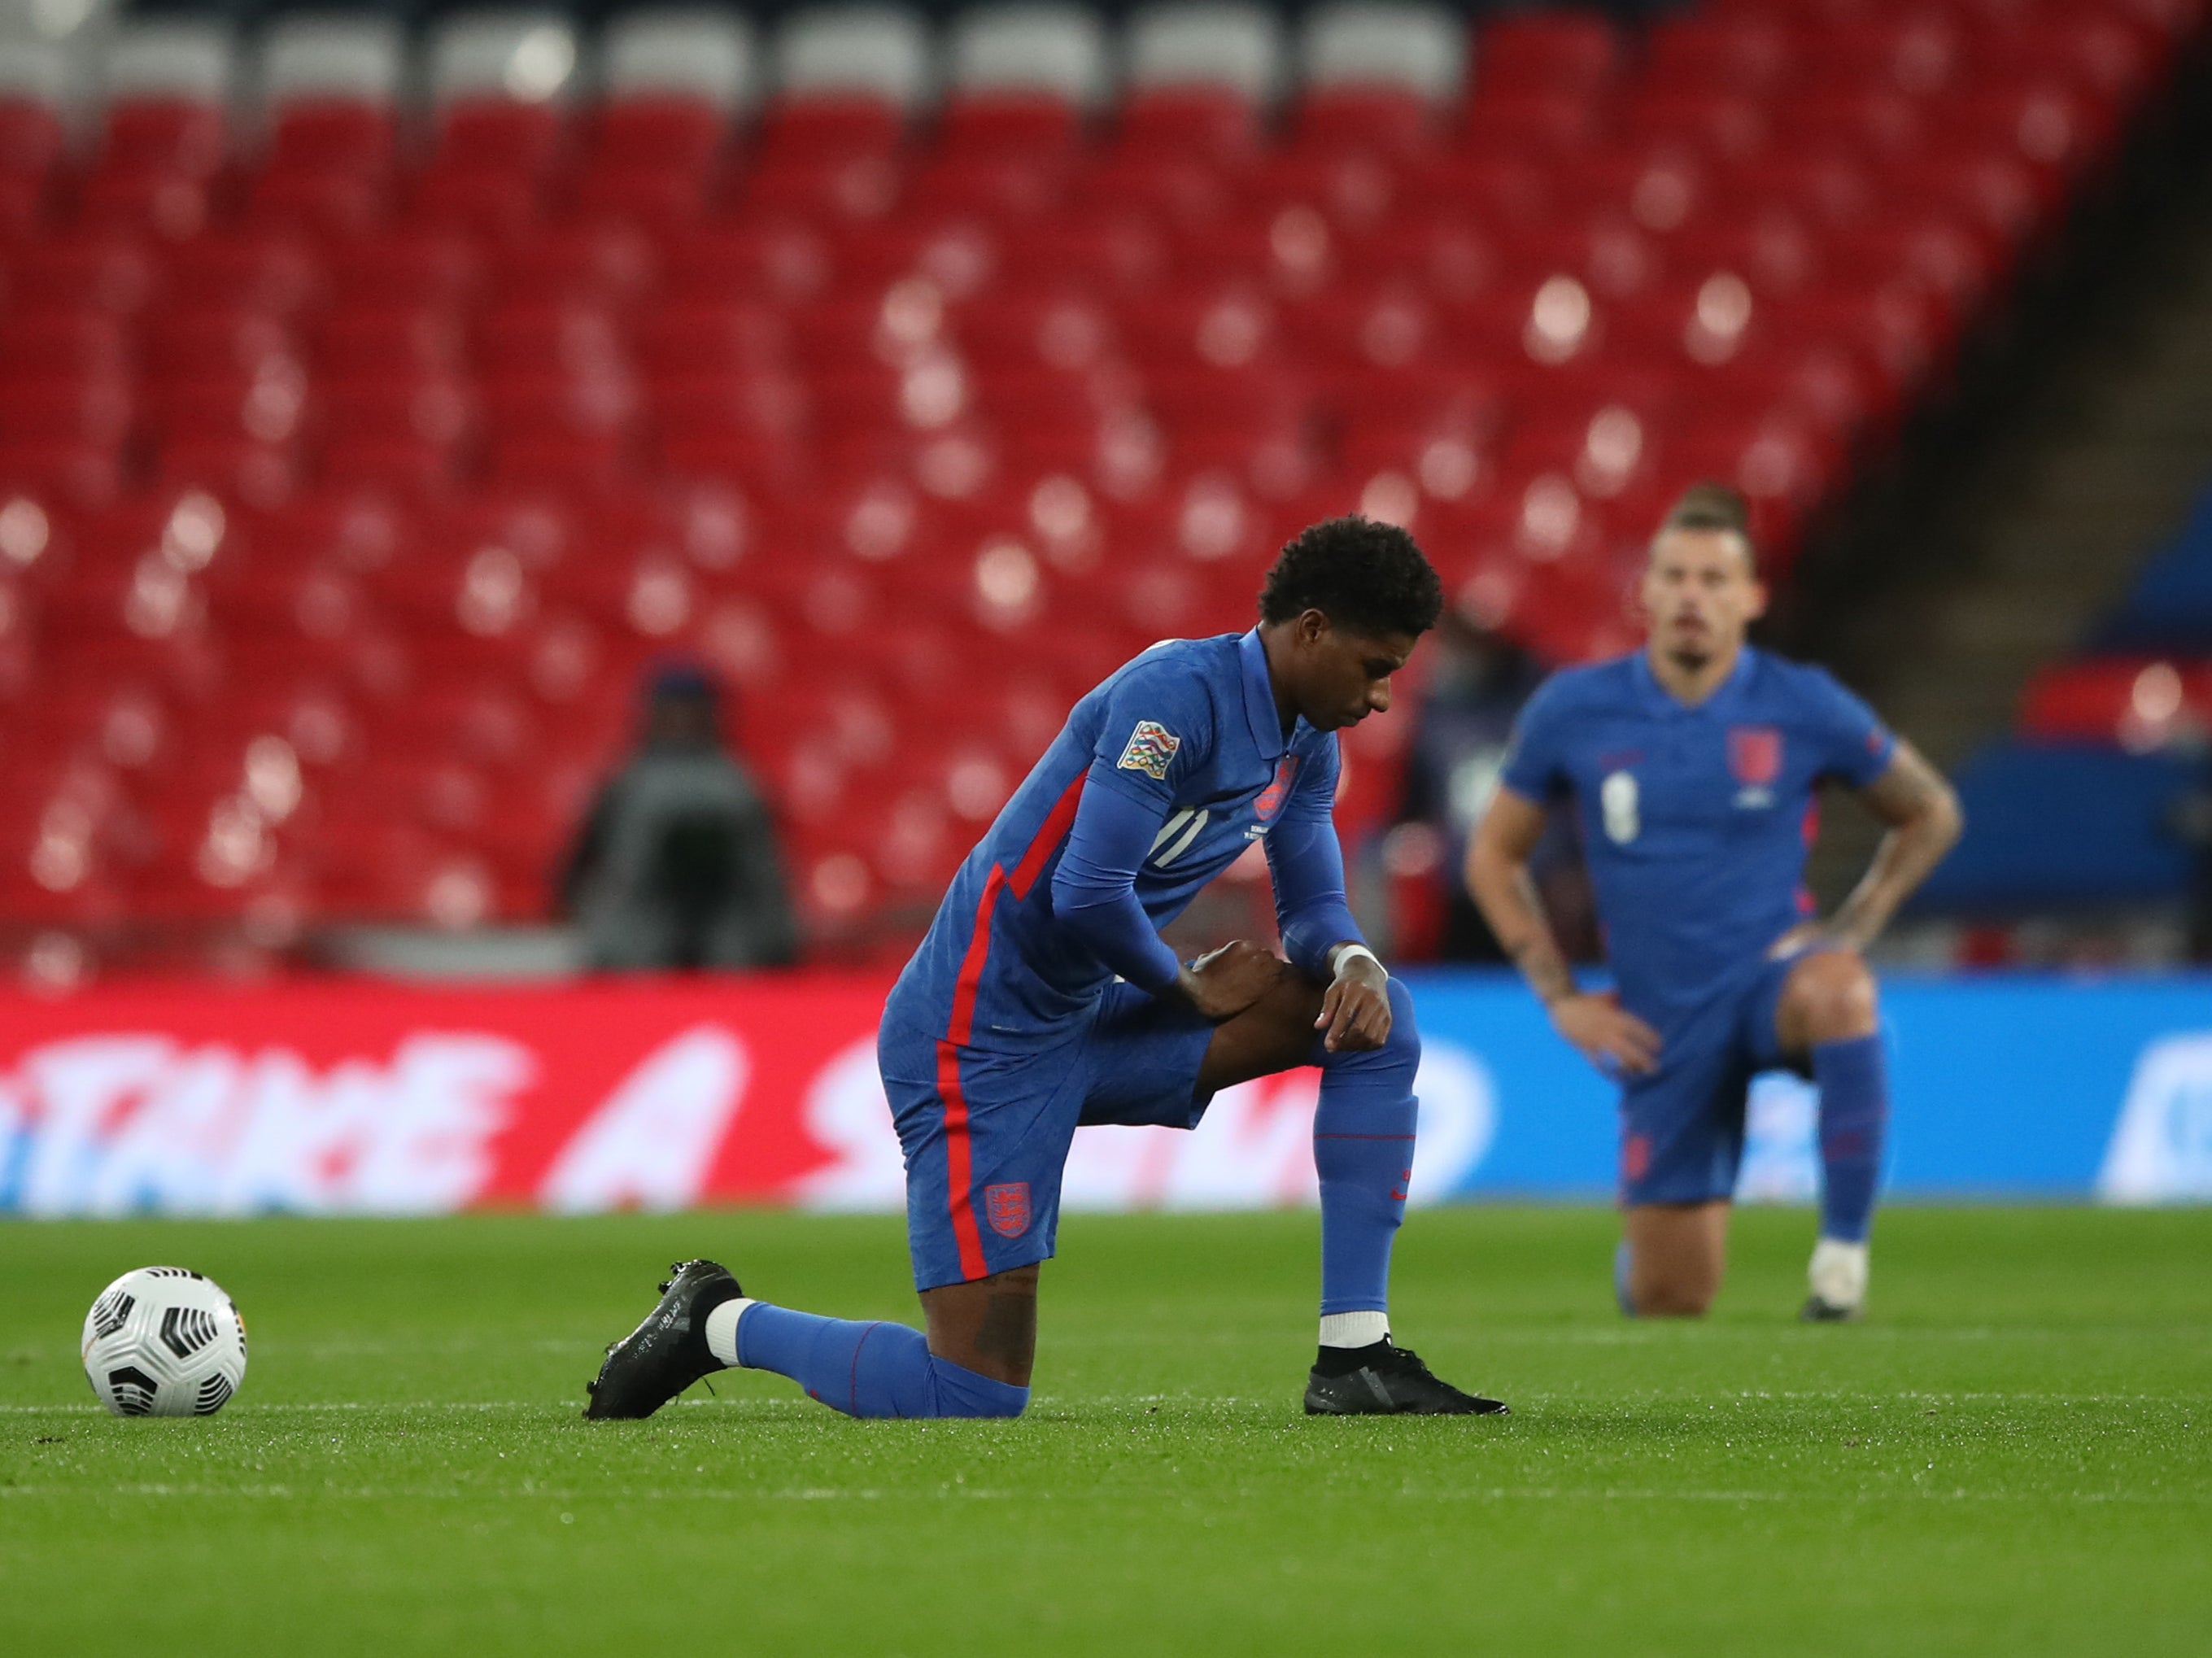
1150,748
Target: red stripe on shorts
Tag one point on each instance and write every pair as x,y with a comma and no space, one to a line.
959,1160
959,1154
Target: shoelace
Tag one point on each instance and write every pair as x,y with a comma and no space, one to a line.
1410,1362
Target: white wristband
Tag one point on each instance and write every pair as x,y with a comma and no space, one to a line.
1346,953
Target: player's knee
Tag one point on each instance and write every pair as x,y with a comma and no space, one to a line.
1833,996
1670,1288
1669,1298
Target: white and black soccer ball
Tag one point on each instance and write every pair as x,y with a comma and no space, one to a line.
164,1341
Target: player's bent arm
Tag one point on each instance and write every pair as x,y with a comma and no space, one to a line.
1499,880
1925,822
1094,889
1094,897
1319,936
1498,876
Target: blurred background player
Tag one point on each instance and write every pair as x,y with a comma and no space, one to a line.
1044,997
676,865
1692,765
1477,682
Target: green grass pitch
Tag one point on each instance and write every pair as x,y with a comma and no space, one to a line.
2012,1455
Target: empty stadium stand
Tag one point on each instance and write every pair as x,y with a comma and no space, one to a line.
374,406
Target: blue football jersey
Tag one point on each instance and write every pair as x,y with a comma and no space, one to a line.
1695,820
1189,729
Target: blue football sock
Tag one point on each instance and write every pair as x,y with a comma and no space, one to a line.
1854,1084
1364,1153
1623,1264
868,1369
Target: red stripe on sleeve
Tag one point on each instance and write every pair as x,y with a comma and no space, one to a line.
1049,835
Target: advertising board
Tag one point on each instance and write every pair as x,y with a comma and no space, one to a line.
362,1097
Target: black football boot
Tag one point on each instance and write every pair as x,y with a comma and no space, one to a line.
1818,1310
1391,1380
666,1353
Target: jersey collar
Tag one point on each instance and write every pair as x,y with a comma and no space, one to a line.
1659,700
1260,697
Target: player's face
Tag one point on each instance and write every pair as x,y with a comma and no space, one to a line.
1347,675
1699,594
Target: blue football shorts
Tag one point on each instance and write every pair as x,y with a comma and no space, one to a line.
1681,1128
986,1132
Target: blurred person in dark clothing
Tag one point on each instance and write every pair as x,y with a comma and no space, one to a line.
677,865
1478,681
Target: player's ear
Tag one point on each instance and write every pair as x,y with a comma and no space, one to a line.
1313,626
1759,598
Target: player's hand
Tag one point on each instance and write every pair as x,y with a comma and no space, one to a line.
1224,983
1609,1037
1356,1010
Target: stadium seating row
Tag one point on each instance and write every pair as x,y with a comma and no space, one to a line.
2086,798
357,447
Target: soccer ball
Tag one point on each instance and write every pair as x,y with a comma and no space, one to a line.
164,1341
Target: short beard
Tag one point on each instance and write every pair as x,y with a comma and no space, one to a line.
1689,658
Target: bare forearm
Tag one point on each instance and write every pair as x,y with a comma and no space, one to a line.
1507,896
1924,822
1903,860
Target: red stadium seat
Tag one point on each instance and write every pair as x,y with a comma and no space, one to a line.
1508,122
1822,188
416,267
497,135
1916,53
987,187
1386,121
1210,124
1018,126
499,201
162,135
653,160
824,128
664,132
1108,253
1724,124
113,271
276,274
32,139
339,204
831,189
776,262
69,468
332,136
1875,123
647,198
2136,702
76,340
165,201
1555,51
1748,57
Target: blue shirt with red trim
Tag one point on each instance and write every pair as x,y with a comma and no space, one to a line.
1187,732
1695,819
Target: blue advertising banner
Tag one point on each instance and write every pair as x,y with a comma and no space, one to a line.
2003,1086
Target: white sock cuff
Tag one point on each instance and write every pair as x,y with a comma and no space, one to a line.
1353,1329
722,1328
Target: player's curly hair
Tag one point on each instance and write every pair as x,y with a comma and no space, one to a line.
1368,579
